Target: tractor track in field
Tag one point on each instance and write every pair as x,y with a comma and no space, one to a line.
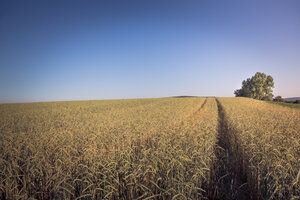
201,107
229,179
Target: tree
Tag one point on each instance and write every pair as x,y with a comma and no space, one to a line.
278,99
258,86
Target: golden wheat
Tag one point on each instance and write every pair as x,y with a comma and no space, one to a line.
123,149
147,148
268,139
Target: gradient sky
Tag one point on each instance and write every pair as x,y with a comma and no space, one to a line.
76,50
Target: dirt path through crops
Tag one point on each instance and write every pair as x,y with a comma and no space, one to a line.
229,183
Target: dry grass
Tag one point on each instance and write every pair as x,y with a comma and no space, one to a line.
123,149
266,140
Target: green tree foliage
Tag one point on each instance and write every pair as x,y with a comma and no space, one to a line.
278,99
258,86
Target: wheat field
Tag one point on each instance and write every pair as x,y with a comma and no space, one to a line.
166,148
266,139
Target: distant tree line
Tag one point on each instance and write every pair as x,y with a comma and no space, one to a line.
280,99
258,86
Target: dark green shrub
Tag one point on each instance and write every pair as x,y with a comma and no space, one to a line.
278,99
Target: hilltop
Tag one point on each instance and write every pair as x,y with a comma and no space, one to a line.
292,98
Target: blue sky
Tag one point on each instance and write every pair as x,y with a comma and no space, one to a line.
76,50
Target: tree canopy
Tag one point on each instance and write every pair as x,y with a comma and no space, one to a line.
278,99
258,86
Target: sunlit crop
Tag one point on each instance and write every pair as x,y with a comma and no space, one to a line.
267,141
122,149
168,148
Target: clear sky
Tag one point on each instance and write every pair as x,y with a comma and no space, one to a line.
76,50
